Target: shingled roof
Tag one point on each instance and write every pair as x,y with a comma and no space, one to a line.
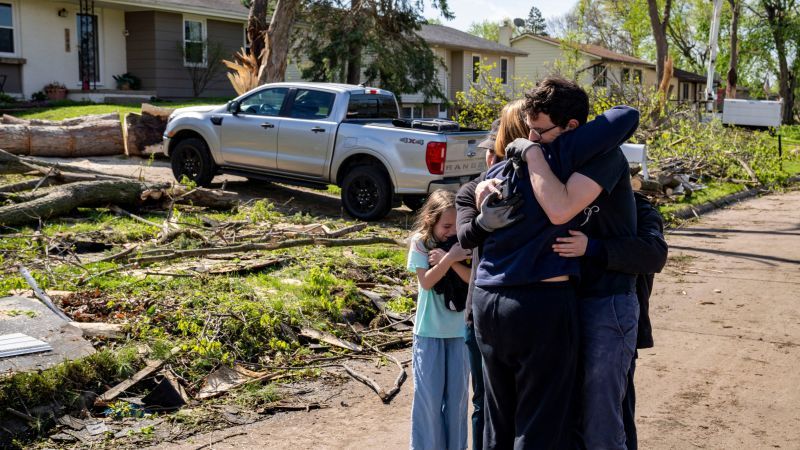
593,50
450,37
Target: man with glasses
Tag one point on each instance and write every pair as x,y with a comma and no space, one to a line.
600,196
524,302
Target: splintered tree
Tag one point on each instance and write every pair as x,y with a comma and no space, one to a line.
660,22
370,40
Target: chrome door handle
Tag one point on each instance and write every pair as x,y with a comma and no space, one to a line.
318,130
267,125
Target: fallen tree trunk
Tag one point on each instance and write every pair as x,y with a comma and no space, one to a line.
21,164
87,136
11,120
56,200
144,132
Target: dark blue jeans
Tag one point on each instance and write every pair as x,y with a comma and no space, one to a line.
629,410
608,343
476,372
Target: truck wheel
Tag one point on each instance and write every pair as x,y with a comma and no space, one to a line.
367,192
192,159
414,202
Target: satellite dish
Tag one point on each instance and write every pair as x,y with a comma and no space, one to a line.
519,22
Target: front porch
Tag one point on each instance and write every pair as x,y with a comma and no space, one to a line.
115,96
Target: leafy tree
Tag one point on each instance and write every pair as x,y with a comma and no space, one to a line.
486,29
376,40
535,23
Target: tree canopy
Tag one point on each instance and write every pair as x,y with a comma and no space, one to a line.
373,41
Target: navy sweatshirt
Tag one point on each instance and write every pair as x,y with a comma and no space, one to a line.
522,253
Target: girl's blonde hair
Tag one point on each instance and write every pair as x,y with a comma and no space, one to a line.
512,126
437,203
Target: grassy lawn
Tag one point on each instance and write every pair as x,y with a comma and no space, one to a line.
714,191
69,109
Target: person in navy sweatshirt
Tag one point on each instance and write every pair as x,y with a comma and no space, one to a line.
524,297
598,200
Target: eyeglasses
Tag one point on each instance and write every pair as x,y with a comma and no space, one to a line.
539,133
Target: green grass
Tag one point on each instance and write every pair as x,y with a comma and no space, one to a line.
792,167
715,190
69,109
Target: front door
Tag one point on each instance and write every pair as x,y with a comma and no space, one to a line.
307,134
88,50
250,138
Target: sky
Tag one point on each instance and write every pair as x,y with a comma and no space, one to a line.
468,11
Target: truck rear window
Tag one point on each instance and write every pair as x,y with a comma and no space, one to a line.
371,106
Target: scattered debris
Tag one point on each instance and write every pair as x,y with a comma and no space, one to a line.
21,344
226,378
168,395
330,339
40,322
112,393
41,295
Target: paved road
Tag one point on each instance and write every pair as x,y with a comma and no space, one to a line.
724,373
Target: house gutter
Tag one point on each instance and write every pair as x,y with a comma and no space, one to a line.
184,9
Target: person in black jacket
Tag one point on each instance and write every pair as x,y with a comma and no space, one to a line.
643,255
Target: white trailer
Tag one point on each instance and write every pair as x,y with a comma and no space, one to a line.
754,113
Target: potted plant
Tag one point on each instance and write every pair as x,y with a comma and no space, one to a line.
55,91
127,81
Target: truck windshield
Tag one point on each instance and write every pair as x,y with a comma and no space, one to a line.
371,106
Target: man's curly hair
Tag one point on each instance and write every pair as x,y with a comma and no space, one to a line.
560,99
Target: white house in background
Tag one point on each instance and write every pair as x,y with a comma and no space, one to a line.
601,67
43,41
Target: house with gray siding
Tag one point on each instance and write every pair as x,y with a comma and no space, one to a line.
83,44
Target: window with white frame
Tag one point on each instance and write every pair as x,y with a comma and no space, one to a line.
6,28
194,42
504,70
476,68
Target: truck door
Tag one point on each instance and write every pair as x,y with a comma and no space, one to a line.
250,138
306,136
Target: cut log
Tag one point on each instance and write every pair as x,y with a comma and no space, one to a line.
56,200
87,136
11,120
156,111
639,184
143,133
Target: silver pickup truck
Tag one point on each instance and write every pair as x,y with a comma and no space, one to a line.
316,134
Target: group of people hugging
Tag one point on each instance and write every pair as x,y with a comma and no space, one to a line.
534,282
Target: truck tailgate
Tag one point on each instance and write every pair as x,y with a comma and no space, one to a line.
463,155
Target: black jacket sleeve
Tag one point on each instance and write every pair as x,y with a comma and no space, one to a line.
647,251
470,235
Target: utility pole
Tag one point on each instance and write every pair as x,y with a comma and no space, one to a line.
711,93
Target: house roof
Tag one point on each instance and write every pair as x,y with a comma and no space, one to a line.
450,37
685,75
229,9
591,50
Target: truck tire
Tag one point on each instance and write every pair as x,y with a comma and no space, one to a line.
191,158
414,202
367,192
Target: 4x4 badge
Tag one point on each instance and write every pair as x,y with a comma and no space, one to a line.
412,141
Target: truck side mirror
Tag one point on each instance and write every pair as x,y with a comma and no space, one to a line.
234,107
